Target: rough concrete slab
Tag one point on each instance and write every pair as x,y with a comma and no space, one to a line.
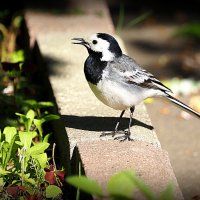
151,164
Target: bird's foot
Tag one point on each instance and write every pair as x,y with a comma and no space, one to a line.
111,133
124,137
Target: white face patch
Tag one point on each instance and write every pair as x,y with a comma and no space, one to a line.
100,45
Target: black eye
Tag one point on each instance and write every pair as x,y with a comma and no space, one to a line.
94,41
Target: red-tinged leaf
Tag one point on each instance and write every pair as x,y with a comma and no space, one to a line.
47,170
50,177
61,175
51,168
22,188
33,197
15,190
51,174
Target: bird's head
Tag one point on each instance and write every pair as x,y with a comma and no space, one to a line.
102,45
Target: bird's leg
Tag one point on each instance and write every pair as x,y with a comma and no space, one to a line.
118,122
127,134
130,122
116,127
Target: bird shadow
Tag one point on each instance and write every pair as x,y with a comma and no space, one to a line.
100,124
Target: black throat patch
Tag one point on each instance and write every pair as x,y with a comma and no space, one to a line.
93,68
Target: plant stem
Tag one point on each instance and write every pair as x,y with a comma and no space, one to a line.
53,155
22,164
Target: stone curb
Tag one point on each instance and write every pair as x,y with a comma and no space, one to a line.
83,116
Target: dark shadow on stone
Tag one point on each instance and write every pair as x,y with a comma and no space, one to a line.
56,127
94,123
77,168
54,65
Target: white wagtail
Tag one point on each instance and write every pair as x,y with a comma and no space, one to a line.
118,80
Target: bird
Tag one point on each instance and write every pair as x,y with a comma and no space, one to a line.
118,81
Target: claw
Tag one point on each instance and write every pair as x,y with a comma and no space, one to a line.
122,138
111,133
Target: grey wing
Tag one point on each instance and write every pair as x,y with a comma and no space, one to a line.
132,73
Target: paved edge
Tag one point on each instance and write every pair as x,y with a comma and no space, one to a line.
151,164
80,121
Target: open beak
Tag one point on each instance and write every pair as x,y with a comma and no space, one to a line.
80,41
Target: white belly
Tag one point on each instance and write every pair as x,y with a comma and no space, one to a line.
115,96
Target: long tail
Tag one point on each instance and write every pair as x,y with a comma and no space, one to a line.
183,106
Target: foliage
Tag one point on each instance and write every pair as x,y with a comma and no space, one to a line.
119,187
8,48
24,161
191,30
25,169
12,82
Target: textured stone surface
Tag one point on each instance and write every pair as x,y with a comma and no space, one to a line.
151,164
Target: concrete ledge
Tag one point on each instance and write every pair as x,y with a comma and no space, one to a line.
83,116
102,159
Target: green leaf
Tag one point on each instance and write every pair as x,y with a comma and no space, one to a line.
51,117
19,143
53,191
9,152
44,104
38,148
85,184
121,185
4,172
31,103
28,179
38,123
46,137
22,116
17,56
30,116
41,158
27,119
36,105
13,73
9,133
167,194
26,139
142,186
191,30
17,21
5,146
33,134
1,183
